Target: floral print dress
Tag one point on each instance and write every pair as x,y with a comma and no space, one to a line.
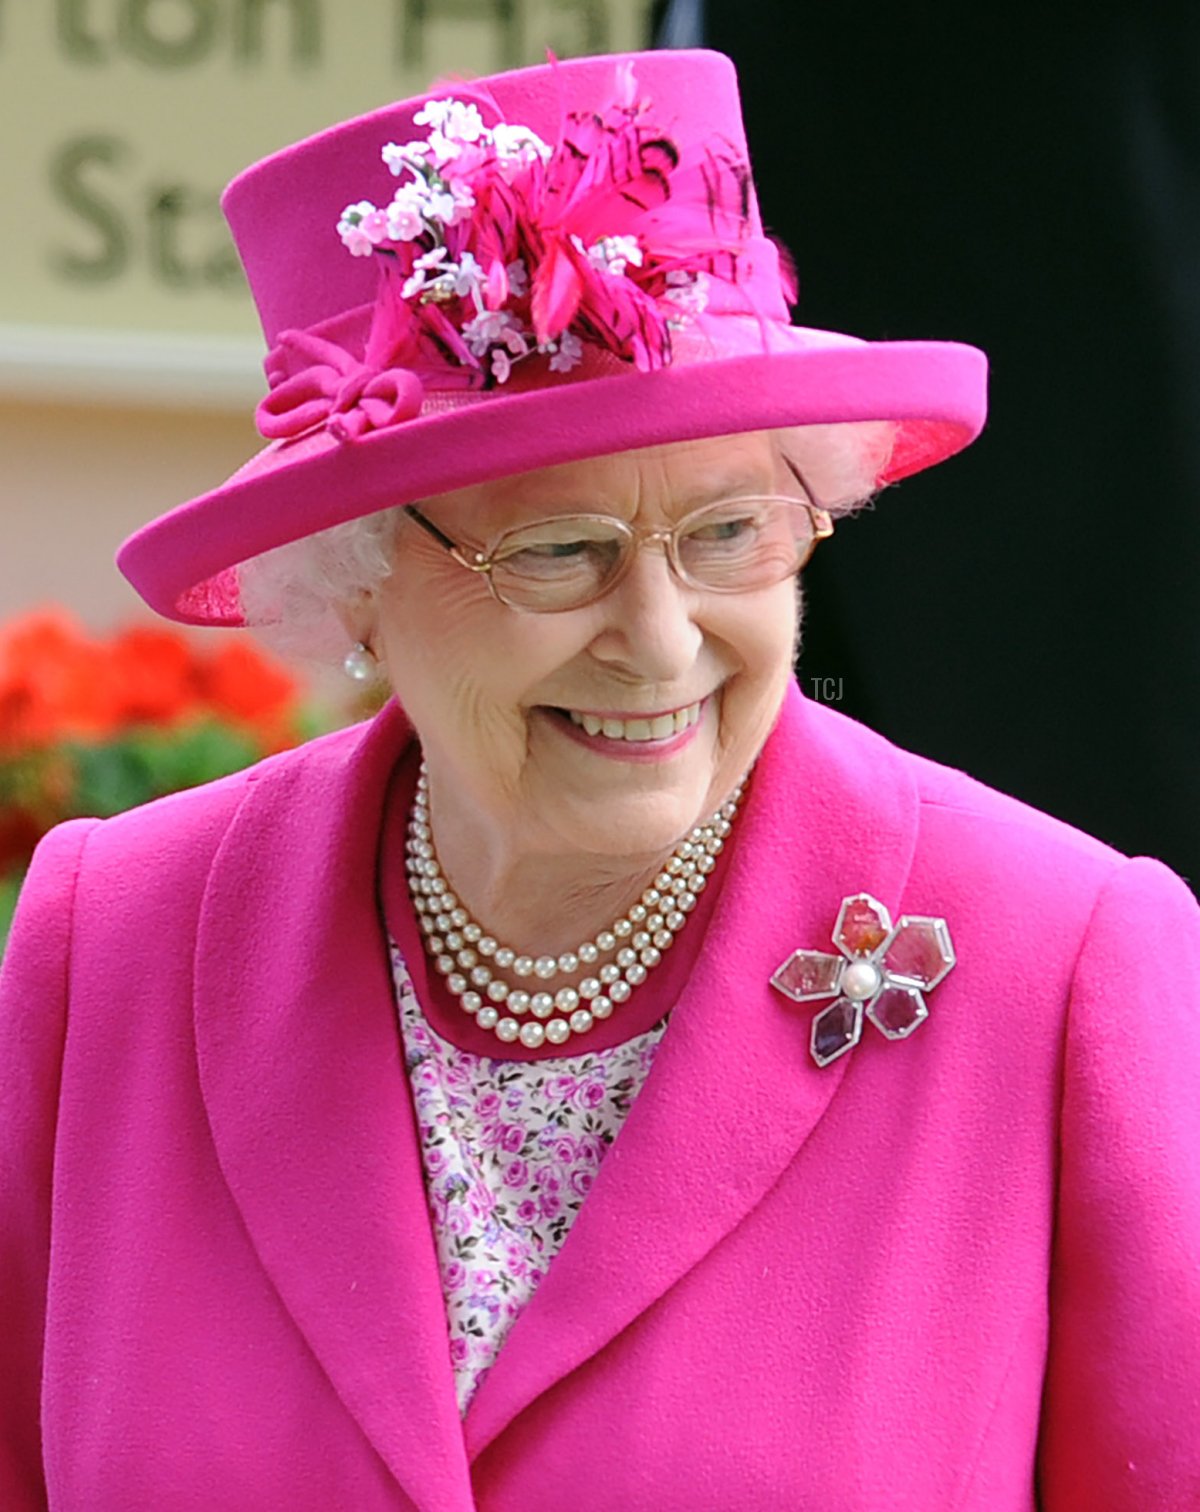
510,1149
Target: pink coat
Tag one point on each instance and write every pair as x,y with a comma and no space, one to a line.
957,1273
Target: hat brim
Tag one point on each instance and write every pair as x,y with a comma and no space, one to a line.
184,564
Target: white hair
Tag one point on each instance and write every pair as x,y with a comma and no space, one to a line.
291,596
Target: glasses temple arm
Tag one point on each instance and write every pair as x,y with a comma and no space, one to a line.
429,527
822,519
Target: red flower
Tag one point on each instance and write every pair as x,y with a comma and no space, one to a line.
238,681
55,683
82,719
155,670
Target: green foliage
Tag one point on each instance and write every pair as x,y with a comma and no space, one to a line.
149,763
10,887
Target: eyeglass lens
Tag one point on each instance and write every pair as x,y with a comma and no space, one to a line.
733,546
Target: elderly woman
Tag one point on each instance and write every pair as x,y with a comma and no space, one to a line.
605,1080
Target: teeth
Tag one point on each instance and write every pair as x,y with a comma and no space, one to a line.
659,728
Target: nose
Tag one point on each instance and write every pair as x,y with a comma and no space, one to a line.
650,626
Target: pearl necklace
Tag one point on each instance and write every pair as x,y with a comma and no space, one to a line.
617,960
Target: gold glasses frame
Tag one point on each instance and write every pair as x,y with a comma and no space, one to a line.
483,559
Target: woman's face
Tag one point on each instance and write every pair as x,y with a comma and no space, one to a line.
506,703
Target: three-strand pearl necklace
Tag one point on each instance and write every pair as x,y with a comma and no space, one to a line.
488,978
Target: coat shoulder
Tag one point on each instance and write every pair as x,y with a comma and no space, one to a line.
960,805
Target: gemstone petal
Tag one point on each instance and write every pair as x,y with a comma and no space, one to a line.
898,1010
808,974
835,1030
920,951
863,923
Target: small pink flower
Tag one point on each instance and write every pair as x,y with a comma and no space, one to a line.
479,1202
455,118
375,226
560,1089
569,353
590,1094
402,157
516,1173
581,1182
455,1275
452,204
403,219
361,229
550,1205
491,327
458,1220
528,1211
591,1148
516,148
357,241
488,1105
518,278
512,1138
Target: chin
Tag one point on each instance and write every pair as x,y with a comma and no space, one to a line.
637,825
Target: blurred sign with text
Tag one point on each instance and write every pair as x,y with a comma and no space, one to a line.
125,118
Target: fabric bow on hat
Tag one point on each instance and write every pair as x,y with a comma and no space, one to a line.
348,397
883,970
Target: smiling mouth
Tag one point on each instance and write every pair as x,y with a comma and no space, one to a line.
637,728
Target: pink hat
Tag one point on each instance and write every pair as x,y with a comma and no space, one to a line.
562,262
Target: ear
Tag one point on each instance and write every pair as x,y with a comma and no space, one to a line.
360,619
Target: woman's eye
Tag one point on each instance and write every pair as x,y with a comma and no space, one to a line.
734,528
554,549
575,555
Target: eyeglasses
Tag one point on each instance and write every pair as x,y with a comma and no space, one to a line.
570,561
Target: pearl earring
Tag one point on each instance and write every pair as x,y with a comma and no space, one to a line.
360,664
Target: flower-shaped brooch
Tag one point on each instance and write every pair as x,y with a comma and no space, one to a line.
882,971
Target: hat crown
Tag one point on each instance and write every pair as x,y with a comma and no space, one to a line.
283,211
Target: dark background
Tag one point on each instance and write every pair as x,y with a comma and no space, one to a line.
1029,182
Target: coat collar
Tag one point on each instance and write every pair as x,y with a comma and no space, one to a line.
303,1079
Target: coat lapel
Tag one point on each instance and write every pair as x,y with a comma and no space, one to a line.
832,811
302,1075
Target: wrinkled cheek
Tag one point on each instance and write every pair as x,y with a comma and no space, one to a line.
755,697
